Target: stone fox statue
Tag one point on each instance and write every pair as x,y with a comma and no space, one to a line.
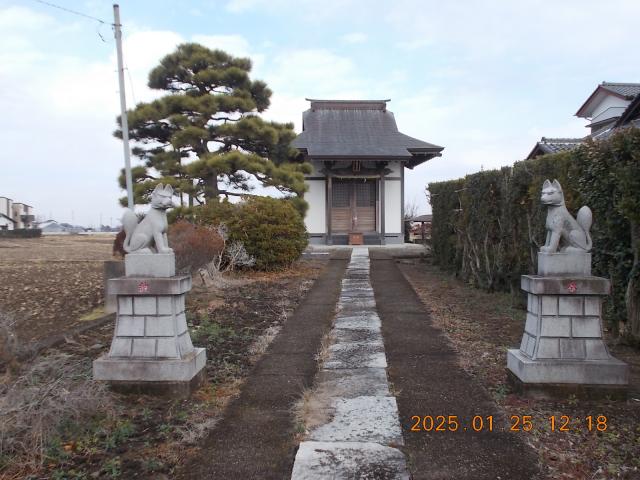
564,232
152,230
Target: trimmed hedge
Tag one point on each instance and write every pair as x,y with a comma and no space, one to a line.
489,226
21,233
271,230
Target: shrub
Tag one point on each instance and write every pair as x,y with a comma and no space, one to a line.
118,245
194,245
271,230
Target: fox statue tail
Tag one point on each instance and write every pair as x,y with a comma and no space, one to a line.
585,219
129,224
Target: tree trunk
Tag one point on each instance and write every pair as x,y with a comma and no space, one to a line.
211,190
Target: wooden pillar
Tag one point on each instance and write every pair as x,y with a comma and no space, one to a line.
328,207
382,230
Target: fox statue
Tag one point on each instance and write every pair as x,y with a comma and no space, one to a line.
152,230
564,233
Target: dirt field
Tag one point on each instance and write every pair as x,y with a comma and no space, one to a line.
481,327
58,423
48,284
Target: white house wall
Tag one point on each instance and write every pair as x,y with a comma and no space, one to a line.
396,169
393,206
315,220
610,106
6,207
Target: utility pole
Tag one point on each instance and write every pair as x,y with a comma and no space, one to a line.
123,106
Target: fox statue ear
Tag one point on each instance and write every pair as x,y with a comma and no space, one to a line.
168,190
556,184
546,184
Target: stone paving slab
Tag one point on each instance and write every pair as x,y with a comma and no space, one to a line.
366,320
358,335
356,355
362,419
348,460
354,382
354,390
356,304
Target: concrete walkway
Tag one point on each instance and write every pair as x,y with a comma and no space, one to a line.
428,380
256,437
359,436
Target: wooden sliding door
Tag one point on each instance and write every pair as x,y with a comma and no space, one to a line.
353,205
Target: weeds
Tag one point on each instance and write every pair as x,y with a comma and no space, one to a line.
55,393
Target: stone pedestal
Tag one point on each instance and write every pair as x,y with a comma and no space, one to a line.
150,265
564,263
151,351
111,269
562,346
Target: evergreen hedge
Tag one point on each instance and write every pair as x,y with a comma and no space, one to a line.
21,233
489,226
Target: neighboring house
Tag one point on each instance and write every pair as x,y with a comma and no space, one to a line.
356,189
6,214
554,145
611,106
20,214
607,103
420,228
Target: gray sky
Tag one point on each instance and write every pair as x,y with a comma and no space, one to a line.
484,79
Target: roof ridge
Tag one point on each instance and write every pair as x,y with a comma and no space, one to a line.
634,84
560,139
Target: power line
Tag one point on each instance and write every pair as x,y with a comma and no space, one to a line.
70,11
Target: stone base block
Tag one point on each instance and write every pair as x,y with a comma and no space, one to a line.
176,390
564,263
150,265
567,285
125,371
610,374
111,269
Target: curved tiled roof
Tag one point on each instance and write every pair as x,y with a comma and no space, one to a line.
352,128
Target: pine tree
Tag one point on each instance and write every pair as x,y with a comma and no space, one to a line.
204,137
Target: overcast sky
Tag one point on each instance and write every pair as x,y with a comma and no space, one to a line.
484,79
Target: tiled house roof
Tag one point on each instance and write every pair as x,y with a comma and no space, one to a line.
554,145
627,90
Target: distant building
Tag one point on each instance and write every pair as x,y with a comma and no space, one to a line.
15,215
51,227
610,107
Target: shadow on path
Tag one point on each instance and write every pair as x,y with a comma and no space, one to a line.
428,381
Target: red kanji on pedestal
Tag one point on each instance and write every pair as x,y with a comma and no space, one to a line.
143,287
572,287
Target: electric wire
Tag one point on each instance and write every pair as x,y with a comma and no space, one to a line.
70,11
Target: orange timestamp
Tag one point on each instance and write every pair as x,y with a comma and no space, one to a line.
517,423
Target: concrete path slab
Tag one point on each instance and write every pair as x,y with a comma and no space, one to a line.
353,382
362,419
348,460
362,428
356,355
368,320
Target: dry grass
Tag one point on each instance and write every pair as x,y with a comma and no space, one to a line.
54,389
9,346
